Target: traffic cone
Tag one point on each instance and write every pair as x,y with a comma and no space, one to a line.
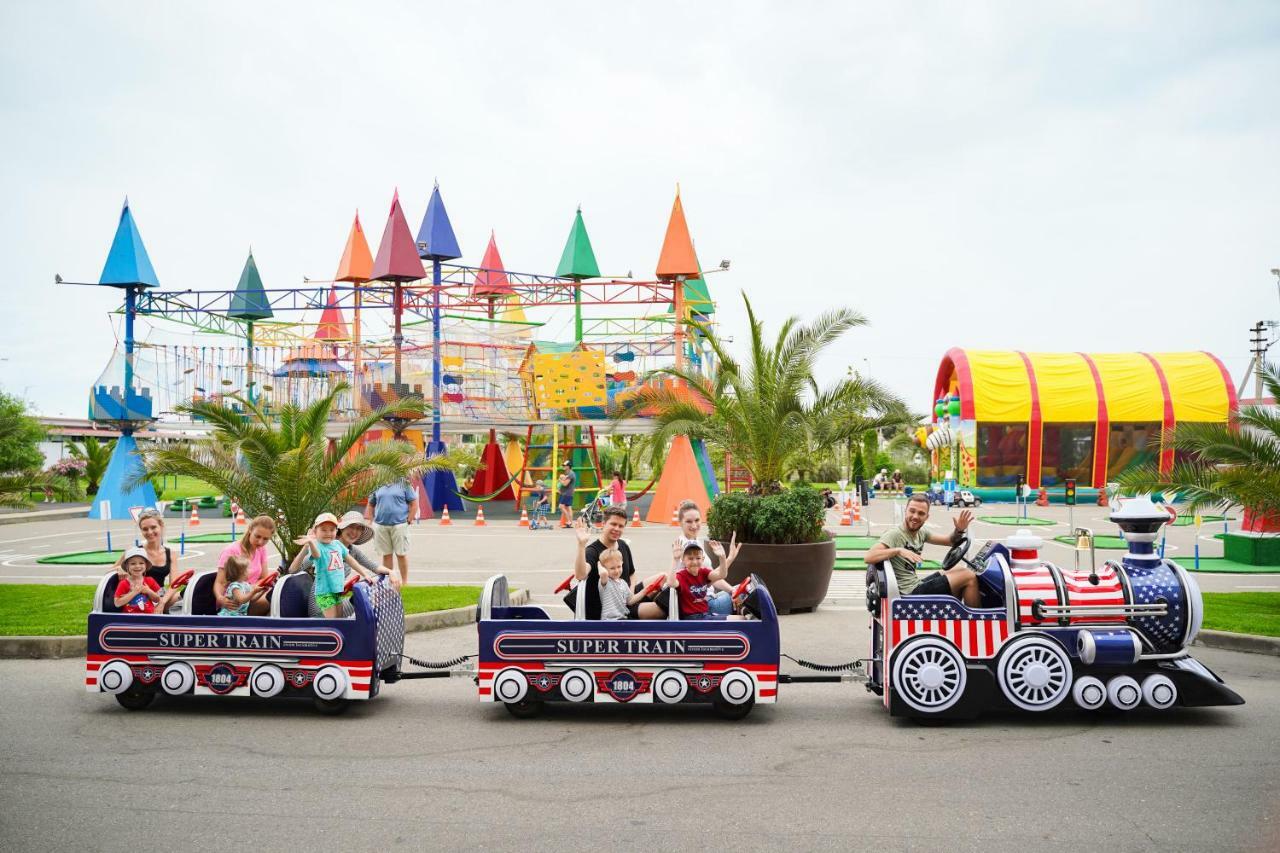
1102,496
846,520
445,521
1042,497
524,518
857,512
675,518
635,519
194,520
240,518
480,517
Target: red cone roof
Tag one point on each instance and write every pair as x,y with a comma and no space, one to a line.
397,258
491,280
332,327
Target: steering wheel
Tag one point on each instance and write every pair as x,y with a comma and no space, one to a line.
564,584
267,581
181,581
741,589
351,583
956,554
653,588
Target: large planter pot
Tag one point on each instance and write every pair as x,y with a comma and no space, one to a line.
797,575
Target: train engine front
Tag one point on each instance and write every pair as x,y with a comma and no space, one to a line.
1113,634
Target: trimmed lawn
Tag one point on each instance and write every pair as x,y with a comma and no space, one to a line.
1243,612
62,610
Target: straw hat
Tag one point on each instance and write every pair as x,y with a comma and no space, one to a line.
353,517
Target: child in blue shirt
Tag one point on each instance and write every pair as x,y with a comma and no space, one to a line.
328,559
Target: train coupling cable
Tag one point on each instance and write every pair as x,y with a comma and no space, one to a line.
439,669
839,672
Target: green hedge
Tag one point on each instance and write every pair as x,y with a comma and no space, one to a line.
791,517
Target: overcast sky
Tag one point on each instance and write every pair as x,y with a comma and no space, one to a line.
1083,176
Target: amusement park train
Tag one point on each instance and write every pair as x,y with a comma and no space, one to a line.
1044,637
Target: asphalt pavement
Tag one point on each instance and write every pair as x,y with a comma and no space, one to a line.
426,765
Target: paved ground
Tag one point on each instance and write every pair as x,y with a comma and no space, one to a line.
538,560
426,766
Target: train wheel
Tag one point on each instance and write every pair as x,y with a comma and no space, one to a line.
135,700
330,707
525,709
730,711
929,673
1034,673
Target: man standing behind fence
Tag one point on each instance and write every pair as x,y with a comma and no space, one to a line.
393,505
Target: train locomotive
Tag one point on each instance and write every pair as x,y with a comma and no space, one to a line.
1115,635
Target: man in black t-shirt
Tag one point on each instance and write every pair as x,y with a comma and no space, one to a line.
585,567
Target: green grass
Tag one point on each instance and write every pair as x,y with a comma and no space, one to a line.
212,537
62,610
1243,612
186,487
1103,541
80,558
44,609
1188,520
1221,565
855,543
858,563
1015,520
424,599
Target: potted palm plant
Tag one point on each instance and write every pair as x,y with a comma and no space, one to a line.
283,463
770,413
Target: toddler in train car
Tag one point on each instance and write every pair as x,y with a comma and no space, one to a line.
136,593
328,559
615,596
240,593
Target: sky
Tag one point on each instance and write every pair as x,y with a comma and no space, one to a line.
1084,176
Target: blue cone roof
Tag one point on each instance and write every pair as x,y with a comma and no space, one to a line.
128,262
435,238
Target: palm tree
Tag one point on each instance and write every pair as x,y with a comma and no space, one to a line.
96,455
1224,465
284,465
768,411
16,487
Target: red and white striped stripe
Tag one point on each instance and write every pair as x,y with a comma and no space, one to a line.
975,638
1108,590
1033,583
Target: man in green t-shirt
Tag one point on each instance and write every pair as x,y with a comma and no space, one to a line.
903,547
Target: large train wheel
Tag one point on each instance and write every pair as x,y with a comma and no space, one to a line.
928,674
730,711
525,709
1034,673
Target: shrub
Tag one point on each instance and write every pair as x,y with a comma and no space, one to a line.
791,517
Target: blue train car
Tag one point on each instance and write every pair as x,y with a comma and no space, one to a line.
290,653
1115,635
527,659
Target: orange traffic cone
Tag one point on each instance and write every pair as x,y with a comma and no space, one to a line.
445,521
480,517
846,520
1042,497
240,518
524,518
675,518
635,519
857,512
194,520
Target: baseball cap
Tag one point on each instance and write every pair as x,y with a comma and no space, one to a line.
325,518
692,545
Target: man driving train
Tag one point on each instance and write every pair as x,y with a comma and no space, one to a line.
903,547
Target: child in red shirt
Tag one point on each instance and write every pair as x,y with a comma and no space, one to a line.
136,593
695,582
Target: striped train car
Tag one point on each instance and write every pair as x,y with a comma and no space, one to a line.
1043,636
290,653
527,659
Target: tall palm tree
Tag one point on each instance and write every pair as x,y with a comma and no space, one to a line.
1224,465
283,464
97,456
768,411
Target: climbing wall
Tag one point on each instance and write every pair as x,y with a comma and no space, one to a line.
569,380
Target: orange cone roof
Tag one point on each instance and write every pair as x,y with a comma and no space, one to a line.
681,480
677,256
357,263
